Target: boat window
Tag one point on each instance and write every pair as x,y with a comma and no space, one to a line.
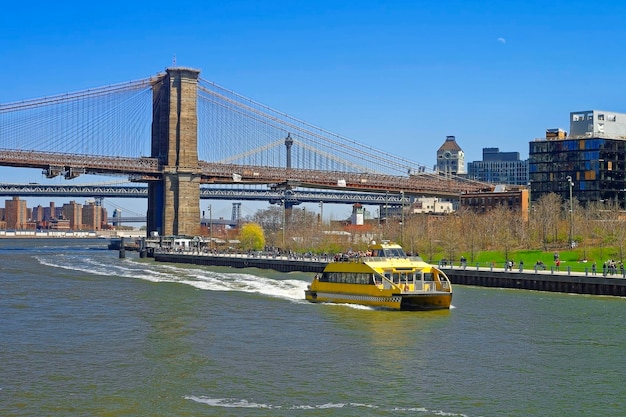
377,279
428,276
347,278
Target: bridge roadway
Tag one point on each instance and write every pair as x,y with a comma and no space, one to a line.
146,169
273,196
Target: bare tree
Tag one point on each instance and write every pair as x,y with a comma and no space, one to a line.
546,218
271,220
470,226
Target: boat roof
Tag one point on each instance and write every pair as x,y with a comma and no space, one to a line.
383,244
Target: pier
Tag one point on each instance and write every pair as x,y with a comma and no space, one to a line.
537,280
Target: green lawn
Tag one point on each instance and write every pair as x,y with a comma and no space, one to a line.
576,259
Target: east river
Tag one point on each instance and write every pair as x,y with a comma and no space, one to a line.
84,333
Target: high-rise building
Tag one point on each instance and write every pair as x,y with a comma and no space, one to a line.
38,215
499,168
92,216
589,163
15,213
74,213
450,158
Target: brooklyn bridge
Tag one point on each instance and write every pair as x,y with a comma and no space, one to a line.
176,131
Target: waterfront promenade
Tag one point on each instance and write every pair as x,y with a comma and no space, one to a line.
62,234
565,281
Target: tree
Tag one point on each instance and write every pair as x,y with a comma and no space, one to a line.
303,231
271,221
251,236
470,231
504,228
546,213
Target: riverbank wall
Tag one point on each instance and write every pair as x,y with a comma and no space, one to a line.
277,263
551,281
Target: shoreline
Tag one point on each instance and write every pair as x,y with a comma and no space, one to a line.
547,281
57,234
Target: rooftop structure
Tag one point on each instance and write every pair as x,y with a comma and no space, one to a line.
597,124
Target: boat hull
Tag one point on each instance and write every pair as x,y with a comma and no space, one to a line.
407,302
420,302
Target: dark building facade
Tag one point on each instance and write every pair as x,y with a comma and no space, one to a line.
590,165
514,198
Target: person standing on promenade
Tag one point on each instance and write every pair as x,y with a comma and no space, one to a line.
593,268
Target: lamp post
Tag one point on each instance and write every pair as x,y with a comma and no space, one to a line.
402,220
284,210
210,227
321,213
571,211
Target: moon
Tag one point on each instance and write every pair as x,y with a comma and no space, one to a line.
502,40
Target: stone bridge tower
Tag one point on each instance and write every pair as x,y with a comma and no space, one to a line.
174,202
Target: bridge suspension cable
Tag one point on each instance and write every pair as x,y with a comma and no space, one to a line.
108,130
321,143
112,121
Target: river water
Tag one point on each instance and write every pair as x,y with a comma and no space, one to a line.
84,333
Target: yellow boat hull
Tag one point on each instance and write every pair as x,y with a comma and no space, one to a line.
408,302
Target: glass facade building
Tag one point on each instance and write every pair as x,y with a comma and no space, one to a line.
593,156
499,168
597,167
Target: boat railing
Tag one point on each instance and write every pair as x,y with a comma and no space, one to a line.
360,258
425,286
415,259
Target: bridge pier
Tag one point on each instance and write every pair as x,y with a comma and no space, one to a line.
174,201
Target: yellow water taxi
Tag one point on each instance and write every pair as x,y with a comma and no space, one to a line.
385,277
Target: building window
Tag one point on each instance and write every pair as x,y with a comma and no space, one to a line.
578,117
611,117
601,117
589,116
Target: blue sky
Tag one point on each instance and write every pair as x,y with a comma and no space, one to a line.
397,75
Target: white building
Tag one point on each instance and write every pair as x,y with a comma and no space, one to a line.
450,158
597,124
431,205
